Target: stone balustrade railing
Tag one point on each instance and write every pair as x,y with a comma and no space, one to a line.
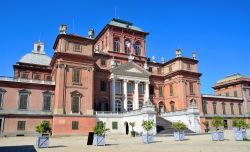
11,79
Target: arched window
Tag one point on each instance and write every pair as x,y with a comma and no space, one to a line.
140,104
129,106
127,46
223,108
215,107
75,102
161,107
239,108
38,48
116,45
118,106
232,108
172,106
137,47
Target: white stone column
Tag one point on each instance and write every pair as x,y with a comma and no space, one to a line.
136,96
146,94
112,94
125,93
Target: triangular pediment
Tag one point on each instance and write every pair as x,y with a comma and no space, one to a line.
130,69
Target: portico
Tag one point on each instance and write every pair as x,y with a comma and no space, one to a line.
129,87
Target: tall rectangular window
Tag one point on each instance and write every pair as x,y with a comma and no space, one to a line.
215,108
189,66
227,94
46,102
37,77
151,90
24,75
140,88
150,69
114,125
103,86
1,99
23,101
239,107
75,104
76,76
223,108
103,62
129,87
232,108
21,125
171,91
235,93
75,125
159,70
118,87
160,91
204,107
77,48
191,88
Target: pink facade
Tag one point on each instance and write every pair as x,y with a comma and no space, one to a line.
108,73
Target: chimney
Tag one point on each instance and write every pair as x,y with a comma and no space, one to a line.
63,29
91,33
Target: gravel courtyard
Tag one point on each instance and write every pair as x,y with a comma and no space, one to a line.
123,143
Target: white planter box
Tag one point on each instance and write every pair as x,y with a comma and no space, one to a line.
240,135
218,136
42,141
179,136
147,138
99,140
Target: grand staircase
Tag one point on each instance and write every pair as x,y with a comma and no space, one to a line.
164,126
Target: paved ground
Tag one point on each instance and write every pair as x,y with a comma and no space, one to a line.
122,143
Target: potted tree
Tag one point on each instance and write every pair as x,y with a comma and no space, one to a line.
217,122
147,125
99,134
44,130
179,126
240,131
206,124
132,124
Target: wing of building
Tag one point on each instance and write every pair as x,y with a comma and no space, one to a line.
109,78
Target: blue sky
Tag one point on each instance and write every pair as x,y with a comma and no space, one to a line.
218,30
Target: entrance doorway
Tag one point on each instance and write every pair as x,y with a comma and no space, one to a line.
225,124
127,128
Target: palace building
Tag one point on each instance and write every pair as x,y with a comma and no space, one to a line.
109,78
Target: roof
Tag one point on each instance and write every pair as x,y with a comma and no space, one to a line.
232,77
37,56
124,24
220,97
131,69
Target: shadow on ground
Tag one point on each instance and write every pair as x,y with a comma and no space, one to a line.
23,148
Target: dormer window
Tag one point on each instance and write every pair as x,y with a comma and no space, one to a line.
137,48
38,48
24,75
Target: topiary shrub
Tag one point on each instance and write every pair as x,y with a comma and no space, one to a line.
217,122
44,127
101,129
179,125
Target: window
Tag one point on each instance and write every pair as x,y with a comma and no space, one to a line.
239,108
114,125
232,108
25,75
103,86
38,48
191,88
76,76
116,45
75,103
75,125
102,46
160,91
137,48
23,99
150,69
129,87
129,106
48,78
223,108
77,48
140,104
170,69
214,108
140,88
151,90
103,62
171,91
2,92
118,106
21,125
37,77
46,102
172,106
227,94
127,46
106,42
117,87
235,93
159,70
204,107
189,66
